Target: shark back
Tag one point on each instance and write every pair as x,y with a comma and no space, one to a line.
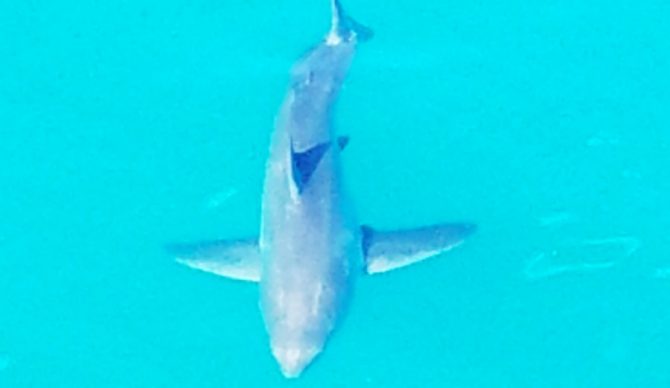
309,240
310,247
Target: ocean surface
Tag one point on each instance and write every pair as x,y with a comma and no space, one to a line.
126,125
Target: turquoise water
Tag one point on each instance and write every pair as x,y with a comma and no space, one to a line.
126,125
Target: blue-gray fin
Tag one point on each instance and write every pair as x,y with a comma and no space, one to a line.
342,142
387,250
234,259
345,27
304,163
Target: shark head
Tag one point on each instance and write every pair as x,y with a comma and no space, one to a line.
294,358
299,323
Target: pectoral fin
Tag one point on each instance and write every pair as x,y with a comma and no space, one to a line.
234,259
387,250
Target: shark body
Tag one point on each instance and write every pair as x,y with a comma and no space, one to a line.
310,248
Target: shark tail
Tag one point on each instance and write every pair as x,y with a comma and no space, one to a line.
344,28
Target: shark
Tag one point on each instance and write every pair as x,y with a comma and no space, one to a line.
310,249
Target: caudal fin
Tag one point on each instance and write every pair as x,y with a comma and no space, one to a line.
344,28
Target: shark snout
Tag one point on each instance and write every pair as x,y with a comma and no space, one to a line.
294,359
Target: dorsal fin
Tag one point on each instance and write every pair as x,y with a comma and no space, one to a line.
304,163
342,142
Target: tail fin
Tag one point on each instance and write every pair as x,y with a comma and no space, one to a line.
344,28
